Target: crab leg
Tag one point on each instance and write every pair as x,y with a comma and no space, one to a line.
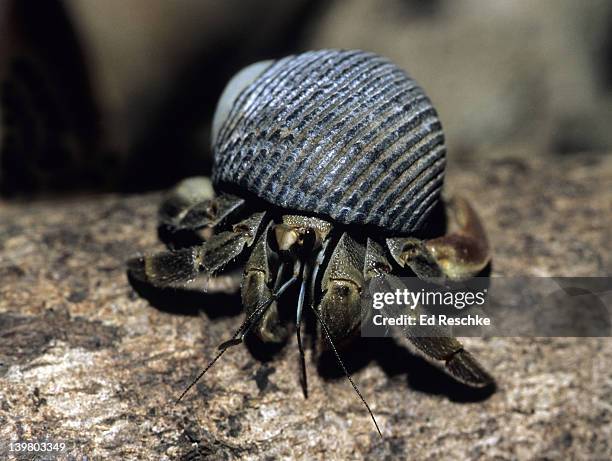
256,286
192,205
460,254
439,345
176,268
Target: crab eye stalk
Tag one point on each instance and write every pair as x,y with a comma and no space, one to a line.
295,241
286,237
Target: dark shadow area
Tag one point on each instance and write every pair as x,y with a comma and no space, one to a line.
178,239
265,352
395,360
49,116
188,302
486,272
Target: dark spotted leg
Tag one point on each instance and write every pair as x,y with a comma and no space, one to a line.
263,274
435,342
256,313
342,283
460,254
339,312
192,205
177,268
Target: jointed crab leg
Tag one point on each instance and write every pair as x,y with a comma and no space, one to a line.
258,277
339,312
435,342
460,254
341,286
192,205
174,268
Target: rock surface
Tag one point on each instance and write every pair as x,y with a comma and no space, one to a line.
84,359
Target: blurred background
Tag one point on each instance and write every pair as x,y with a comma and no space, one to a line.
119,95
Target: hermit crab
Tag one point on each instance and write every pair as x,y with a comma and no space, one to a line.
327,168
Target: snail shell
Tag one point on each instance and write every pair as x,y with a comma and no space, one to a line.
344,134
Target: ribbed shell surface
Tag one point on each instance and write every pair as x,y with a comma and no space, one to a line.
344,134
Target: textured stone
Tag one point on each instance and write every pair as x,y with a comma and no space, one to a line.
85,359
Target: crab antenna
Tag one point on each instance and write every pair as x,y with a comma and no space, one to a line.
331,343
298,325
251,320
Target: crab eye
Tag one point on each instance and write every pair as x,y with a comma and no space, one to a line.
231,91
309,239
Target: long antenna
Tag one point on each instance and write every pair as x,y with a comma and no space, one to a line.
331,343
251,320
298,326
